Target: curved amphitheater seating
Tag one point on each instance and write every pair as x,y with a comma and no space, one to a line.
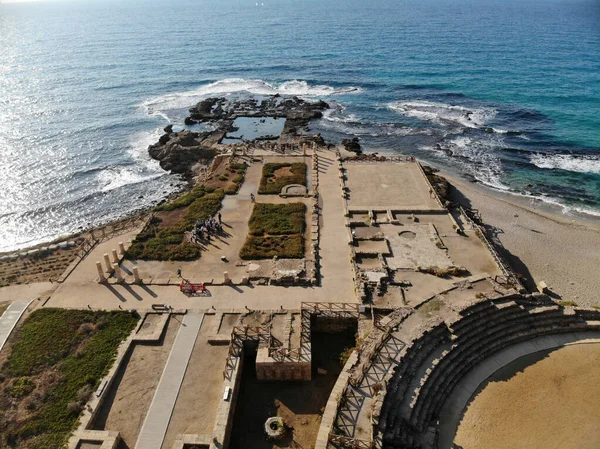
442,354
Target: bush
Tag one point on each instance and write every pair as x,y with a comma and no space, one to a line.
56,416
185,251
277,219
166,243
231,189
184,200
271,183
285,247
21,387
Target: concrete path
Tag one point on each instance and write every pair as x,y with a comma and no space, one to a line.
336,267
10,318
158,417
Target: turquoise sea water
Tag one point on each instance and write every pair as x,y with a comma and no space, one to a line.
507,91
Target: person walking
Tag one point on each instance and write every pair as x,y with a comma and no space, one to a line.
219,217
252,198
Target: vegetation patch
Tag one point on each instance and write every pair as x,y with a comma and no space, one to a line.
277,219
163,239
161,242
275,230
284,246
276,176
45,386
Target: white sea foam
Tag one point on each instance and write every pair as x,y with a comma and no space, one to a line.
443,114
228,86
337,115
580,164
116,177
484,165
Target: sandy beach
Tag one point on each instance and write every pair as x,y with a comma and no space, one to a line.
563,252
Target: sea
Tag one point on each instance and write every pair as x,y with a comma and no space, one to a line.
506,92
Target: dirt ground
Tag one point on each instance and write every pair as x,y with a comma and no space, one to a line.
37,268
200,392
3,306
129,399
300,404
552,403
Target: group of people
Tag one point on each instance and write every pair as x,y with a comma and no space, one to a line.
205,228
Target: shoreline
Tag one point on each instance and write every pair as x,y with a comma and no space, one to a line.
539,245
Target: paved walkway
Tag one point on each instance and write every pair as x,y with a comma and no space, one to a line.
336,268
158,417
10,318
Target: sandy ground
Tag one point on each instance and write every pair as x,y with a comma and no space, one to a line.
126,405
563,252
554,403
200,392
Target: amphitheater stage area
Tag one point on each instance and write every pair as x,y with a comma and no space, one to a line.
548,399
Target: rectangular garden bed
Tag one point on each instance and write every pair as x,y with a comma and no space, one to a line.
275,176
275,230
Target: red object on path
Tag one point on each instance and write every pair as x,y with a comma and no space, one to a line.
186,287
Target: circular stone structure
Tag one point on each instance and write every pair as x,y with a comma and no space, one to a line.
545,399
274,428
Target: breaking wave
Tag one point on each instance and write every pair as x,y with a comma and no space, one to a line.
569,162
228,86
444,114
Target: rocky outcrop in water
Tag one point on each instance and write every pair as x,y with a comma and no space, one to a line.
297,111
179,152
352,145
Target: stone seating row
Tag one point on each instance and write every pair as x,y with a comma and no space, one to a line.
482,330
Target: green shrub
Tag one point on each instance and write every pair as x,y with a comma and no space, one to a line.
272,184
284,246
184,200
231,189
166,243
238,179
21,387
238,167
277,219
224,177
185,251
50,424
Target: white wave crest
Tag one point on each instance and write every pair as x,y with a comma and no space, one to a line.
228,86
484,165
337,115
443,114
116,177
580,164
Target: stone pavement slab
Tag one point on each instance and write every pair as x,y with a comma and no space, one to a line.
10,318
158,417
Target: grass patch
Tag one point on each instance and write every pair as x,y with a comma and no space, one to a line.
283,246
158,242
275,230
54,381
566,303
277,219
275,176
